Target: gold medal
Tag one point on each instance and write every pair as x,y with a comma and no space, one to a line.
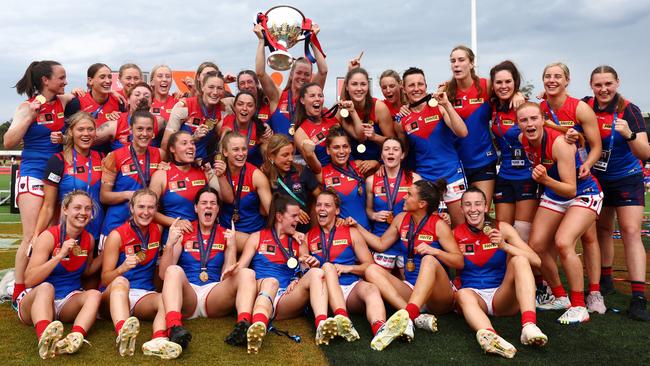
292,263
360,190
361,148
210,123
41,99
410,265
219,157
389,218
141,255
433,102
344,113
235,215
76,250
292,130
487,229
203,276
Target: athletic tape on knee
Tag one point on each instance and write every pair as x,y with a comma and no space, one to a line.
264,294
523,228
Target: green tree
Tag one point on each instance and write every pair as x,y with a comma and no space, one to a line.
3,128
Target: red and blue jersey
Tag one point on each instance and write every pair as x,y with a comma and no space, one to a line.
269,260
66,276
84,173
393,111
140,276
380,202
317,133
163,109
485,263
280,120
514,165
475,150
351,191
181,187
37,146
99,111
566,116
190,259
622,162
543,154
198,114
427,235
250,218
373,150
432,145
250,134
338,250
127,179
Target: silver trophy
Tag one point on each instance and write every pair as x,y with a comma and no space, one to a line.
284,27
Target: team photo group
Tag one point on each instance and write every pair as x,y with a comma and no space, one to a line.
144,204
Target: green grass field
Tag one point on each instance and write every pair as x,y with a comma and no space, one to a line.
607,339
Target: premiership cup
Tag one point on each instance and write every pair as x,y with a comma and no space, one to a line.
284,26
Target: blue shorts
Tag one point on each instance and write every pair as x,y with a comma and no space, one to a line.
511,191
485,172
626,191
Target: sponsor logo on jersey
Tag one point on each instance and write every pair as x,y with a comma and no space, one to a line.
476,101
198,183
567,123
488,246
431,119
340,242
425,237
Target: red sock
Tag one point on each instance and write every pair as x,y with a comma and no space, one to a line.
594,287
78,329
492,330
118,326
259,317
341,311
528,317
159,334
173,319
244,317
413,310
638,288
319,319
577,298
376,325
40,327
18,288
606,271
558,291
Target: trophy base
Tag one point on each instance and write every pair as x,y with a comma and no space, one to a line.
280,60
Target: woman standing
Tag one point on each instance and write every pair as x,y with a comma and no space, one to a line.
33,122
99,101
61,256
161,83
620,174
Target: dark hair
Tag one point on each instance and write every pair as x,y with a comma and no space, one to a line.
412,71
140,84
333,194
393,74
334,132
260,93
126,67
206,77
472,189
367,107
299,60
205,189
407,173
141,113
301,113
279,205
202,66
510,67
31,83
172,141
259,125
94,68
431,193
606,69
452,86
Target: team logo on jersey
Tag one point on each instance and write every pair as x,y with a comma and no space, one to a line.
320,137
488,246
191,246
129,169
412,127
458,103
267,248
317,247
198,183
431,119
333,182
467,249
132,249
340,242
177,186
380,191
476,101
45,119
156,111
80,170
425,237
196,121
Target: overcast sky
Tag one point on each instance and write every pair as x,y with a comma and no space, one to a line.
393,34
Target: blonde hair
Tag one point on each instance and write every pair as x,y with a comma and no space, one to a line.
564,67
69,140
155,68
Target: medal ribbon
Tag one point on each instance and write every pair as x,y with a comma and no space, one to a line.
269,40
350,173
410,235
146,175
392,196
288,253
611,137
62,235
89,168
204,250
144,239
330,113
240,184
327,244
248,134
310,38
99,109
206,113
423,100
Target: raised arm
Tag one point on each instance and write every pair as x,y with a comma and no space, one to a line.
589,124
268,86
